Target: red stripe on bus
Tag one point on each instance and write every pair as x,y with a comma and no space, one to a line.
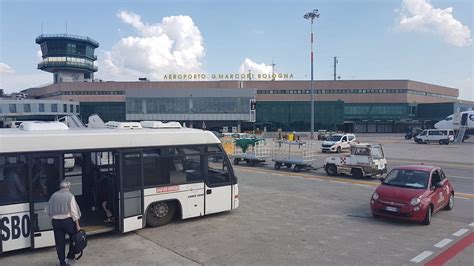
452,251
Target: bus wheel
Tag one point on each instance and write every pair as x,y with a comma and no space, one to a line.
160,213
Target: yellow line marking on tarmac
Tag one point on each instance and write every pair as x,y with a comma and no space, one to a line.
463,166
343,181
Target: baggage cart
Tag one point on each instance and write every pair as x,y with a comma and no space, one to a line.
297,154
253,151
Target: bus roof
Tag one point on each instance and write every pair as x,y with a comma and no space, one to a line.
18,140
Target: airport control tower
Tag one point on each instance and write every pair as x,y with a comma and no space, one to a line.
70,58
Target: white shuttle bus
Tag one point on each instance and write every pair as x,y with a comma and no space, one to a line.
146,173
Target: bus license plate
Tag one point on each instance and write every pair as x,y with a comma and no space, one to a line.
391,209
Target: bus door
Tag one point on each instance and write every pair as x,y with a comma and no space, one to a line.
130,191
45,174
218,188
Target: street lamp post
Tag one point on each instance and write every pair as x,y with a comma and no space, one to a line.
311,16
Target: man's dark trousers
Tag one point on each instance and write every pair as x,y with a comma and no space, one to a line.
61,228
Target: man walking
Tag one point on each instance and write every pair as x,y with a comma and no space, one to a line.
63,208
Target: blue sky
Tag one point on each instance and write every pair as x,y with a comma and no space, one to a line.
365,35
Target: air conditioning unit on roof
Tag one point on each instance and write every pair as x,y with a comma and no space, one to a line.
159,124
123,125
42,125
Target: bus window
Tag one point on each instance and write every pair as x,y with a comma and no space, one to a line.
45,177
185,164
73,172
217,169
156,168
131,171
13,179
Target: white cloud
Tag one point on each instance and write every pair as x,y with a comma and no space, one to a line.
254,68
421,16
173,46
5,69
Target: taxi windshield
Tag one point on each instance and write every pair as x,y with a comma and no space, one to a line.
335,138
407,178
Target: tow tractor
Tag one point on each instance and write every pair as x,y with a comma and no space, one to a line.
365,160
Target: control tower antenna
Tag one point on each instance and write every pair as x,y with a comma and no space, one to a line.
273,68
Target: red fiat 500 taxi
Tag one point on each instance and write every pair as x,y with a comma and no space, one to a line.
413,192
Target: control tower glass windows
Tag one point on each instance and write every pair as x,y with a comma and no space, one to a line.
71,48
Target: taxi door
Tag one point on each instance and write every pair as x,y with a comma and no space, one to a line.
438,194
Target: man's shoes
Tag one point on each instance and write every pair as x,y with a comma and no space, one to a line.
70,261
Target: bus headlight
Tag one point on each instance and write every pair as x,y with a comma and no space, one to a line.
415,201
375,196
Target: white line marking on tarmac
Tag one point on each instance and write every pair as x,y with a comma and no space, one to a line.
471,224
443,243
423,255
462,177
460,232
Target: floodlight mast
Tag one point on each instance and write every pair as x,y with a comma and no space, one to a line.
311,16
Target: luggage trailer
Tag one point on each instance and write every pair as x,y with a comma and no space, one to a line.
297,154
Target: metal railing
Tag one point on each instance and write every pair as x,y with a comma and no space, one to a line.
67,64
69,36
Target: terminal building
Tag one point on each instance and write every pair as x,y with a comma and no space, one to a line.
347,105
352,106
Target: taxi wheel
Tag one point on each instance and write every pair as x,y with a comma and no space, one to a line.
450,204
428,216
288,165
338,150
277,166
160,213
236,161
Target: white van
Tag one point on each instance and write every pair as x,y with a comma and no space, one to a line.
338,142
441,136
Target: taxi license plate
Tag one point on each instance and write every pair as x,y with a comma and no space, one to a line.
391,209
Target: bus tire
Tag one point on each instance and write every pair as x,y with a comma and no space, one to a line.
331,169
160,213
357,173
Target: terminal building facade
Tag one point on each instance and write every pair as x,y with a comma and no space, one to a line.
346,105
351,106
